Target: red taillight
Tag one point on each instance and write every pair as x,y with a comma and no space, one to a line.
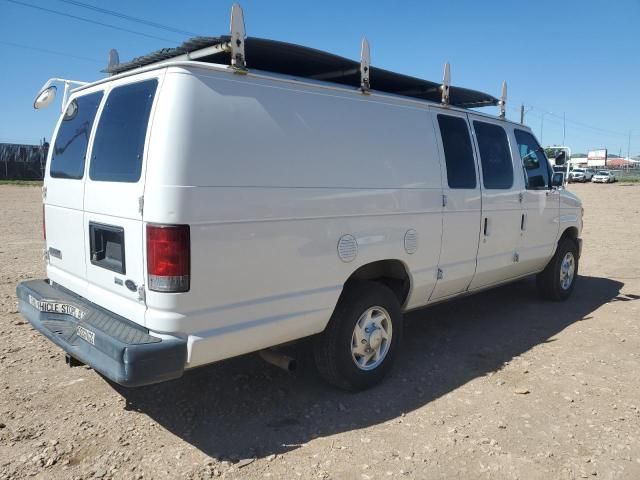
44,224
168,258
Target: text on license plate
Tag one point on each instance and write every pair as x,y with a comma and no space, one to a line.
57,307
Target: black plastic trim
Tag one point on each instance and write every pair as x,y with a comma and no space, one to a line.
96,229
119,349
291,59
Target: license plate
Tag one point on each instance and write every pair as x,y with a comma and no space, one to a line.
50,306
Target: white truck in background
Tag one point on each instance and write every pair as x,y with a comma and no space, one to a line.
560,158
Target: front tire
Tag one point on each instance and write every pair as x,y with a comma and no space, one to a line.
360,343
557,280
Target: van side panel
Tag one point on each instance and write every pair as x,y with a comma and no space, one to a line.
269,176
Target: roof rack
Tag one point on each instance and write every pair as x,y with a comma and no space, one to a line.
242,53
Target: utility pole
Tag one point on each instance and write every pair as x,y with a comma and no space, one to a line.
629,147
564,128
522,114
541,126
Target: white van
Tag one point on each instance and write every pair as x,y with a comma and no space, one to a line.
195,211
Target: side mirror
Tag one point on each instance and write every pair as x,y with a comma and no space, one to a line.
561,158
45,97
557,180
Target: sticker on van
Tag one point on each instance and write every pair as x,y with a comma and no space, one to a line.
57,307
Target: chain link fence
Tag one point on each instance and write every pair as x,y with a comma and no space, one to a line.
22,162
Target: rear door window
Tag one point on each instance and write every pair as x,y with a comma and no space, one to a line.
119,141
497,166
534,162
458,153
70,147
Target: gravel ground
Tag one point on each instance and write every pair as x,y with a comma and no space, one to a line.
497,385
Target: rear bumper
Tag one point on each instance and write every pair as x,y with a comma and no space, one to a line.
119,349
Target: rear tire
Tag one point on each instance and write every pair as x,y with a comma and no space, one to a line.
557,280
360,343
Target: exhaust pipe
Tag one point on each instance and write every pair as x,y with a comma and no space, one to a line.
280,360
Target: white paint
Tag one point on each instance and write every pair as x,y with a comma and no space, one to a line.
270,172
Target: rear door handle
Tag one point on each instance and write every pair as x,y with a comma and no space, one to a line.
486,227
523,222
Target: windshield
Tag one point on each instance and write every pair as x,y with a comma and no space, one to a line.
602,172
578,170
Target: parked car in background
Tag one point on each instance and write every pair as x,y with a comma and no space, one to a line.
577,175
580,175
603,176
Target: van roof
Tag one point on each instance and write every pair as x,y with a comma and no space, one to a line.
291,59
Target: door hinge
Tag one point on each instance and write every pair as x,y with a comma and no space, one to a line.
45,255
44,192
141,294
440,274
520,197
516,257
140,205
444,200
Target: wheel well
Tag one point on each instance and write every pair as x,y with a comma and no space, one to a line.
571,233
391,273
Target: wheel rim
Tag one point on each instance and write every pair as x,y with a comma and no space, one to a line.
371,338
567,271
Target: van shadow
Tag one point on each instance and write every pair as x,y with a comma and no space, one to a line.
246,408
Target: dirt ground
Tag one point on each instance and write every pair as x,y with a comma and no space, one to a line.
497,385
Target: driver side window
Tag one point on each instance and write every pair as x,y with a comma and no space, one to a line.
534,161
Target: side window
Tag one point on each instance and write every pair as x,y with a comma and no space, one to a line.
534,161
497,167
458,153
119,141
70,147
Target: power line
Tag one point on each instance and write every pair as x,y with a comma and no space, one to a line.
129,17
52,52
584,125
88,20
561,119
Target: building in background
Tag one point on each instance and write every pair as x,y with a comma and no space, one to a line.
623,163
597,158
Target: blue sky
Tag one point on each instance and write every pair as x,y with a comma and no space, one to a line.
577,58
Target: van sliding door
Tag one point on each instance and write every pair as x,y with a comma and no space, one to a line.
461,204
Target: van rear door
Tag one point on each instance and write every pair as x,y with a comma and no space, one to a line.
113,198
63,193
